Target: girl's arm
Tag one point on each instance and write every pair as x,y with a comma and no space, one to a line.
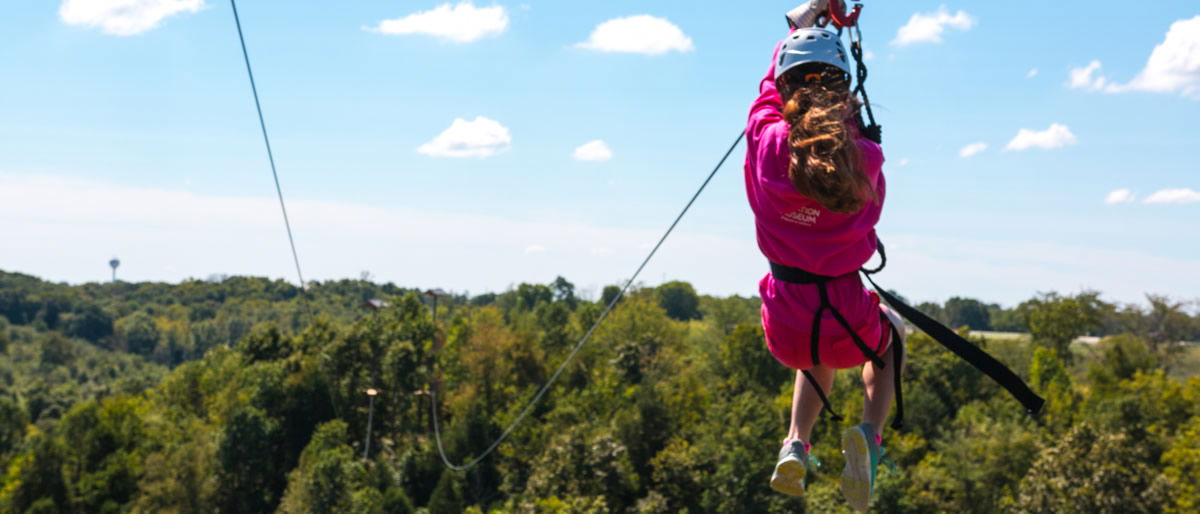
768,107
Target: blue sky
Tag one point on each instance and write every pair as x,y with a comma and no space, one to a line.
127,128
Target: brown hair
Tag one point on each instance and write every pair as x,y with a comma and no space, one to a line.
827,163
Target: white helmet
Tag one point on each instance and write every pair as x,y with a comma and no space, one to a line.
810,45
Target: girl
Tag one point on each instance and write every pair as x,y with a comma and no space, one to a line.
816,188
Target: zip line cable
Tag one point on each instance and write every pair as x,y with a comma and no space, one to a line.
433,394
546,387
278,189
267,140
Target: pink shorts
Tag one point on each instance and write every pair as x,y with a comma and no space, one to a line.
787,317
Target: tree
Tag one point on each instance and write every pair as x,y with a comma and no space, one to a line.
101,463
39,473
246,462
447,496
1167,323
57,350
1092,471
4,337
609,294
1049,377
181,477
747,365
325,479
679,300
727,313
1121,357
12,426
1182,463
531,295
89,322
1008,320
265,343
138,333
396,502
1055,321
564,292
578,464
934,310
968,312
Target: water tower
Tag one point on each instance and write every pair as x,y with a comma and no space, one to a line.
114,263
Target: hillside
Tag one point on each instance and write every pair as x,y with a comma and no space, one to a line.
242,394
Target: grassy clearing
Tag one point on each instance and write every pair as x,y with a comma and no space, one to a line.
1009,348
1187,364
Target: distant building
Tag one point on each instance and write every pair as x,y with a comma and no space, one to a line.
376,304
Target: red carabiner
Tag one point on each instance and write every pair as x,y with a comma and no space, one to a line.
840,17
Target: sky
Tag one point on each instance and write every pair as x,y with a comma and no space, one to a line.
472,146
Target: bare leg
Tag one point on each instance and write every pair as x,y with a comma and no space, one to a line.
806,403
879,384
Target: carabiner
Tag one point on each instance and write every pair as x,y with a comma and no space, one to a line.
840,17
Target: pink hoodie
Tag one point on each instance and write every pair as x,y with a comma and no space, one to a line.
794,230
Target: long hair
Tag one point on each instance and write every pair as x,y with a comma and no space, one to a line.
827,163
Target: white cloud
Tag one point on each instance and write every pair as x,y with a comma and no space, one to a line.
868,55
904,162
123,17
1032,73
595,151
641,34
1119,196
1081,78
1175,196
1174,66
532,249
462,23
928,28
479,138
972,149
1057,136
603,252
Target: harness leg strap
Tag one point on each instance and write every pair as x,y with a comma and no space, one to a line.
862,346
827,407
814,336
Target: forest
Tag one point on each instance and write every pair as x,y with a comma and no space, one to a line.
243,395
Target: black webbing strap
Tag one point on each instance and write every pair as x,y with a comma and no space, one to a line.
898,362
821,392
964,349
814,335
858,341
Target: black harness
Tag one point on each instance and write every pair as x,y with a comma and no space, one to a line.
939,332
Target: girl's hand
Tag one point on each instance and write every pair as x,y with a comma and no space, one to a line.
807,14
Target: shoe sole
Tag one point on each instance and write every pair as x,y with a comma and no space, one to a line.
789,477
856,477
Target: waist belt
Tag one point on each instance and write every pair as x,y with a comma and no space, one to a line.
792,275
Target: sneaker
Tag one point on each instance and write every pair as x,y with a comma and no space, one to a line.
862,454
791,468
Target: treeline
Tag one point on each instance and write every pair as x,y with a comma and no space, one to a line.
248,395
1161,319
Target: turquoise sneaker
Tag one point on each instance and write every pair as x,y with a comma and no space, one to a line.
791,469
862,457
